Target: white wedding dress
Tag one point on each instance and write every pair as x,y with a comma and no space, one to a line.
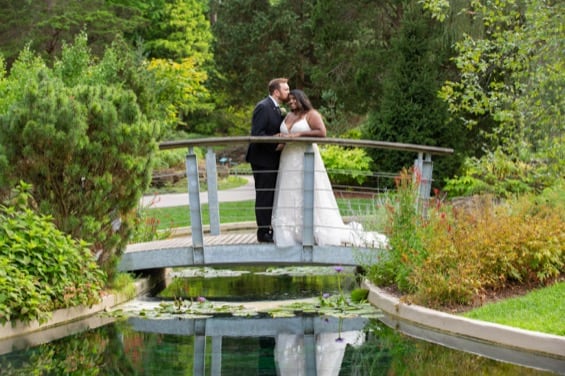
290,357
288,207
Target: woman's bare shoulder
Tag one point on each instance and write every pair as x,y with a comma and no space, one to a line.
313,113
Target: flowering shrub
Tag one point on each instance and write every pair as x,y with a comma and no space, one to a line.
455,254
406,249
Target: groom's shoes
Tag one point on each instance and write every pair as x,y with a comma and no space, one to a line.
265,238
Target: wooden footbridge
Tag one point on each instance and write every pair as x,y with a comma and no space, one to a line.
241,248
238,249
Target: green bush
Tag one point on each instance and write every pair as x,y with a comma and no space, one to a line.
41,268
488,246
354,162
166,159
146,227
78,134
406,247
456,253
176,158
499,174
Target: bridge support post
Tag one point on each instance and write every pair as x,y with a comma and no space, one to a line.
216,356
194,200
310,346
308,215
212,179
199,365
424,167
199,362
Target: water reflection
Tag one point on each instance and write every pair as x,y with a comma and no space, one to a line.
319,355
307,344
258,283
136,347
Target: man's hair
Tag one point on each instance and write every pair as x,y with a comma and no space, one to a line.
275,84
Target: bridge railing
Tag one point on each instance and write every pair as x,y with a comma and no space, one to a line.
423,166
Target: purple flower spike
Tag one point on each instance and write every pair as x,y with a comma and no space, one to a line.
201,299
325,295
338,269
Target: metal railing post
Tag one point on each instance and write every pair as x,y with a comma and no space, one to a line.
213,204
308,225
423,172
194,199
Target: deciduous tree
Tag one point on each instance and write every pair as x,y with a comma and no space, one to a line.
510,88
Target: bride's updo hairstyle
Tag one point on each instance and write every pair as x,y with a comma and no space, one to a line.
302,101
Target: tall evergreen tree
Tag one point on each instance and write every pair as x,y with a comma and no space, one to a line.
78,135
409,110
252,46
178,43
46,25
349,44
178,29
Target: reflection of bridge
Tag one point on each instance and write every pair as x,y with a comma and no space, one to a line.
242,248
309,330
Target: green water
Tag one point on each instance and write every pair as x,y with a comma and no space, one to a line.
118,349
259,283
255,345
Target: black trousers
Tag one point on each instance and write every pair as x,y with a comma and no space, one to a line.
265,182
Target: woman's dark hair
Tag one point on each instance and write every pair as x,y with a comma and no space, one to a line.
302,101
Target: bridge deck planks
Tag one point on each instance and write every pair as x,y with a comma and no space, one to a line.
186,241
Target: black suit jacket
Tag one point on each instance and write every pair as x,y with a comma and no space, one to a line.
266,121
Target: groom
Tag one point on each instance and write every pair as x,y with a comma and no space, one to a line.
264,158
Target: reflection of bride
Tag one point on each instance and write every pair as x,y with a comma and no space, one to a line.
329,229
290,352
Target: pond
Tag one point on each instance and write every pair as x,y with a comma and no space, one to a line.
210,322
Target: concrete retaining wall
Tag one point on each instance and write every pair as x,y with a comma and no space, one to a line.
526,340
63,316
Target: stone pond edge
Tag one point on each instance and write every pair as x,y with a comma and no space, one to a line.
527,340
66,315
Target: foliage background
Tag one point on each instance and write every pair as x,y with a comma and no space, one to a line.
87,89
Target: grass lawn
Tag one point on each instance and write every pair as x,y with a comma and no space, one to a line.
541,310
179,216
244,211
181,186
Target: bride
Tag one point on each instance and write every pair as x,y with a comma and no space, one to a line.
287,221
